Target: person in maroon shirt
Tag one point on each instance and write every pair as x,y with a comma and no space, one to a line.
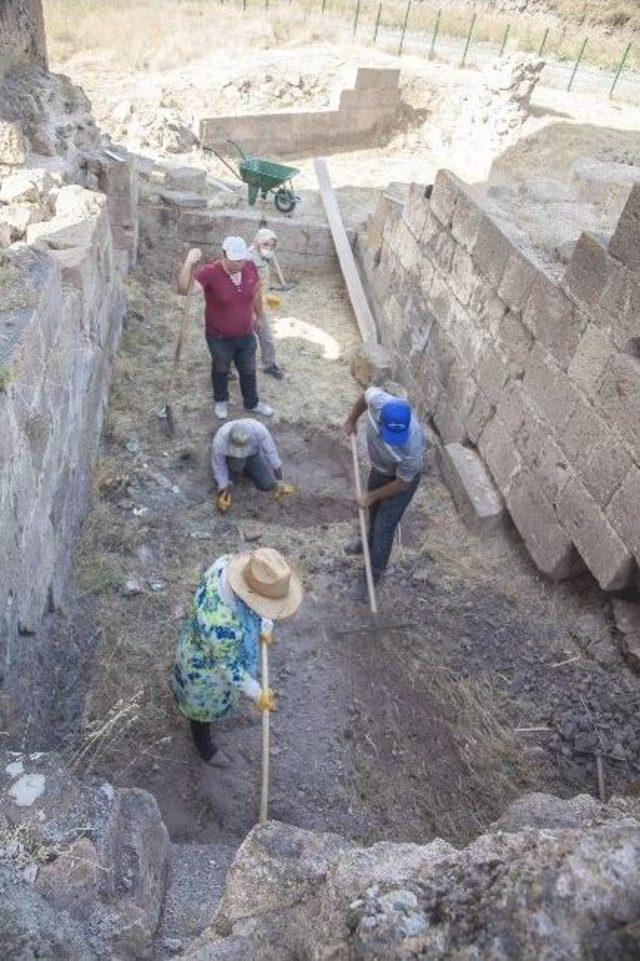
232,305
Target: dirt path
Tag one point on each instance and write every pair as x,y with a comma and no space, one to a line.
405,731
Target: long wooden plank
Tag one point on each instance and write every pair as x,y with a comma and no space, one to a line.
359,302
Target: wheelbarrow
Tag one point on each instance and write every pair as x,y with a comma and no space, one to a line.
263,177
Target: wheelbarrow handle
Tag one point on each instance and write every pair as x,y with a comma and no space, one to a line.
238,148
223,161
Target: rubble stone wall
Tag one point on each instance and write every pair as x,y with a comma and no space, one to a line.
61,312
22,31
539,372
364,115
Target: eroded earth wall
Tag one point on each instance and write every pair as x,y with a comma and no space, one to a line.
22,31
538,371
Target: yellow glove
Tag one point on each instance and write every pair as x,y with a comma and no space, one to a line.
273,300
224,501
266,701
284,490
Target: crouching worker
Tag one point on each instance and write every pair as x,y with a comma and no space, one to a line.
395,441
244,447
236,603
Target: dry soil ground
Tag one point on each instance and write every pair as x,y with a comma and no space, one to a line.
401,729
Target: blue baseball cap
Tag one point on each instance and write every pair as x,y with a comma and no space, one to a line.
395,419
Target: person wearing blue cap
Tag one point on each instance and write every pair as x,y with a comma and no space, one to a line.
395,441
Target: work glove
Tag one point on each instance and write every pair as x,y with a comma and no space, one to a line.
223,501
284,490
266,700
272,300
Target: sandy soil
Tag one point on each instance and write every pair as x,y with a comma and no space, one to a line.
406,728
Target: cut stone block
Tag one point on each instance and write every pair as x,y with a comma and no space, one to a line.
416,210
467,218
492,251
605,468
517,281
500,454
462,276
552,468
577,437
625,243
592,357
623,511
618,398
19,188
604,553
185,179
182,198
491,375
590,273
537,522
478,417
479,503
549,389
553,319
512,343
446,190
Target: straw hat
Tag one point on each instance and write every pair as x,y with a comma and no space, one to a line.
264,580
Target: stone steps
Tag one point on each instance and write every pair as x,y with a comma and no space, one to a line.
195,883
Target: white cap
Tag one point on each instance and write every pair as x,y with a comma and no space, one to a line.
235,248
264,235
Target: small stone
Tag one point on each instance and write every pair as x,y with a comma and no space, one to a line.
132,586
172,944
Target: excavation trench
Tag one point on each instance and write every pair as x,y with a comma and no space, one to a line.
402,729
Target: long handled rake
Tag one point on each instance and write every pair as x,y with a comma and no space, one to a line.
167,410
373,603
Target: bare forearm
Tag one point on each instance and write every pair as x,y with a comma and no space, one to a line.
387,490
184,277
357,410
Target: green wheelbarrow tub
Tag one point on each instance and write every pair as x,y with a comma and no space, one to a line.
264,174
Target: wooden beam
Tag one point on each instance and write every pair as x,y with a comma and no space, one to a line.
359,302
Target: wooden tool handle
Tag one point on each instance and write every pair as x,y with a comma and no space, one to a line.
373,603
178,349
264,794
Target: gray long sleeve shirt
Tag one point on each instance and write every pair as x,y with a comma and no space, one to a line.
261,443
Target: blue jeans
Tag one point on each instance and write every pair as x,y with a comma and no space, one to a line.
256,468
242,351
384,517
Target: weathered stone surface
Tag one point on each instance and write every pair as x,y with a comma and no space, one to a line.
597,542
492,251
549,390
553,320
625,243
500,454
479,416
538,524
590,360
19,188
371,364
517,280
416,210
182,198
552,468
590,273
623,514
5,234
467,219
445,193
513,342
378,903
17,219
626,616
618,399
491,375
605,467
479,503
13,150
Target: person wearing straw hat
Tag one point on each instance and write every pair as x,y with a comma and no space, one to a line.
233,299
396,446
261,252
245,447
237,601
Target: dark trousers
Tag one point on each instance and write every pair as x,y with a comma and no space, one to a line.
384,517
201,734
242,351
257,468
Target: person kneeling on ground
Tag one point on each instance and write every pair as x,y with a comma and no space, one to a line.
235,604
245,447
395,441
233,301
261,252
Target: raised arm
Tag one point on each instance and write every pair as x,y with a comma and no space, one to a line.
358,409
187,269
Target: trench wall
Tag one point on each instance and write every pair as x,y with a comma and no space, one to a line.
539,372
365,115
22,31
61,312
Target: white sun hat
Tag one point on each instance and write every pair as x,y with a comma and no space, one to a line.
235,248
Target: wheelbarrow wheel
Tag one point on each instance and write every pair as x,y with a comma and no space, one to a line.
285,200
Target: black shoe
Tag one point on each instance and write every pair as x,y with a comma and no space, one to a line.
274,371
353,548
201,733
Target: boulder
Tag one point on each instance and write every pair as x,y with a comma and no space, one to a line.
75,203
182,198
13,151
19,188
189,179
18,218
565,885
5,234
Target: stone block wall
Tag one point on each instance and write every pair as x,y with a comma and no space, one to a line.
364,116
539,372
22,31
61,311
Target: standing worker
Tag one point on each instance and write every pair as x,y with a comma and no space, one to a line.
261,252
244,447
232,304
395,441
235,604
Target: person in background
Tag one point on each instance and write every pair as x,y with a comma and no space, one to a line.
261,252
233,301
244,447
395,442
236,603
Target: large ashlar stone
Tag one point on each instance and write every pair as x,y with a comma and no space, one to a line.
189,179
537,522
625,243
479,503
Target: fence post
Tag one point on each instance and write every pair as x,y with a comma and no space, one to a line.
355,19
544,42
435,35
468,43
404,27
575,69
620,69
505,38
375,32
324,5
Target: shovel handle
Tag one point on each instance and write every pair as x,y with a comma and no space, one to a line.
178,348
264,793
373,603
